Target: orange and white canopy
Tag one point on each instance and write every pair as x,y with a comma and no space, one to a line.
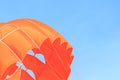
17,37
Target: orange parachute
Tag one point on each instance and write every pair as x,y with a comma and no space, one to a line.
18,37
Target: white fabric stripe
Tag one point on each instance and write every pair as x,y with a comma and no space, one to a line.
9,33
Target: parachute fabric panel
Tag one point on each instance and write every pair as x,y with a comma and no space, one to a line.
18,37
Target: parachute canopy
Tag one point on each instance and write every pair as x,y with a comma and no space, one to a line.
23,41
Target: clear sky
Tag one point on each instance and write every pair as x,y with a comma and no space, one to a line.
91,26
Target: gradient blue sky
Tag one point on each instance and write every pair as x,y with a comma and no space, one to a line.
91,26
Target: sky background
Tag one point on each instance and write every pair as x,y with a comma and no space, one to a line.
91,26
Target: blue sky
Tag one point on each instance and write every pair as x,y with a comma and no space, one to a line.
91,26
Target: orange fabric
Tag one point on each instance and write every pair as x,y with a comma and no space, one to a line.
17,37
